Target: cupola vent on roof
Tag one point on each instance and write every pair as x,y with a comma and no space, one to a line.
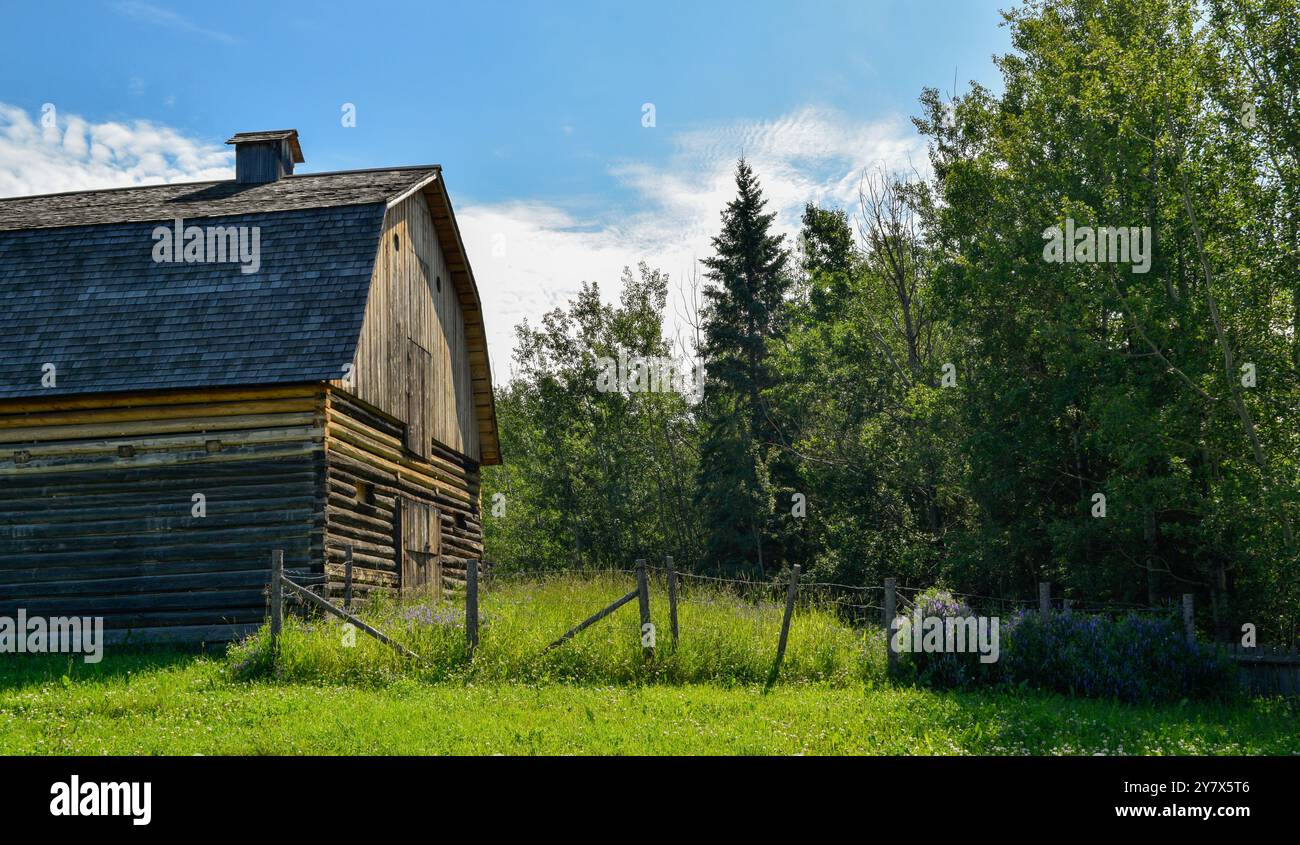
265,156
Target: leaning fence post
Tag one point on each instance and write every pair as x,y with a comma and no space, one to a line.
471,605
672,595
277,598
785,623
1189,618
643,601
891,610
347,578
1044,598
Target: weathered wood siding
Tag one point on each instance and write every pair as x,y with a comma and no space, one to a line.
365,451
97,497
413,306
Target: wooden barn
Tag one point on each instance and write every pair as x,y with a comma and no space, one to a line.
193,375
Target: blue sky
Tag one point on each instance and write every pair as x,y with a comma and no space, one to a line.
534,110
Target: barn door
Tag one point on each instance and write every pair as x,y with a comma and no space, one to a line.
421,548
419,399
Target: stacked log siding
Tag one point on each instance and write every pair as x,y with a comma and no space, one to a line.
98,508
364,446
88,529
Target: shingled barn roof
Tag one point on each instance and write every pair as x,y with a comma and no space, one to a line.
209,199
79,287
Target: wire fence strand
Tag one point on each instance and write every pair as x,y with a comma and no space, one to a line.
849,597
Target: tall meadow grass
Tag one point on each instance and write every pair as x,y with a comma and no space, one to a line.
726,639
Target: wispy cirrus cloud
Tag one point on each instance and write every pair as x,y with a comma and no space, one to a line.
158,16
531,256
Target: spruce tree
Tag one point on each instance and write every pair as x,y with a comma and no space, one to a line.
743,310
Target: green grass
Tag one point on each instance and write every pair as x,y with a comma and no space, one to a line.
185,704
726,640
593,695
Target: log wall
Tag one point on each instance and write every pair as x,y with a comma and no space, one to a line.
97,506
364,451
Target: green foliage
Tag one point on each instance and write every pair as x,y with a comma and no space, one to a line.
859,396
592,476
950,403
1089,378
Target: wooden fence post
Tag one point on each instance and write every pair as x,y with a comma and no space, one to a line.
643,601
347,578
471,605
785,623
277,598
1189,618
672,595
1044,598
891,611
1065,605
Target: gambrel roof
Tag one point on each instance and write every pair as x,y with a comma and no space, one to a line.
79,287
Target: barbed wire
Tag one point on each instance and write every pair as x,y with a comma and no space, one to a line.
840,586
1004,599
857,606
776,585
1096,609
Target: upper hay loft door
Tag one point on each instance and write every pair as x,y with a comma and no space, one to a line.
419,399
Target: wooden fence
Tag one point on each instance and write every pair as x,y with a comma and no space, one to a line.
1267,670
1264,670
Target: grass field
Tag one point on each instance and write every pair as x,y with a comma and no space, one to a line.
592,696
183,704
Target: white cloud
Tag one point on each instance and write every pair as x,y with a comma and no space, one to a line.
530,257
150,14
45,156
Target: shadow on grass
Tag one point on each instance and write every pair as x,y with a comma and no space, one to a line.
1012,721
25,670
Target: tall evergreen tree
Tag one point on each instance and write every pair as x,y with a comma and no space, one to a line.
742,312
